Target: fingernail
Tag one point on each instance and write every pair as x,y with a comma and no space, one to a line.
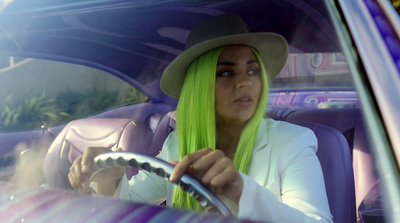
190,171
172,177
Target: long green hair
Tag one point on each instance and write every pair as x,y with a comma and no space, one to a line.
196,121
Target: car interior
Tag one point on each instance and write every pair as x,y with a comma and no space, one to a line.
344,150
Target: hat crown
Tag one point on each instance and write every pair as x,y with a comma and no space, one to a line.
223,30
217,27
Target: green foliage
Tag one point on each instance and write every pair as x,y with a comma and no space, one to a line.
35,110
396,5
82,104
133,95
38,109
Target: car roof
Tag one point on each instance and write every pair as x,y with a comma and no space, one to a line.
136,40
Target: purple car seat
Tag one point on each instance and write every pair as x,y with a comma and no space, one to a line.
80,134
371,208
349,122
335,158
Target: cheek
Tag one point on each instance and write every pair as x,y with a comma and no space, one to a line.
221,96
257,88
220,91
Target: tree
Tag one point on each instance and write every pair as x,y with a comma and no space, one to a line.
396,4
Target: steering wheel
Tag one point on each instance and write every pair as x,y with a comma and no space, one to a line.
192,186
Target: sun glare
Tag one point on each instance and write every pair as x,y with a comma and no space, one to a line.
4,3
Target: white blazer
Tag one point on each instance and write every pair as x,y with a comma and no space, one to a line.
284,184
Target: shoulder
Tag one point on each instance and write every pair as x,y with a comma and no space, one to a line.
282,125
170,149
286,135
172,138
278,129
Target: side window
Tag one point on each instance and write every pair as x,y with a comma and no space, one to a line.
304,71
42,92
313,80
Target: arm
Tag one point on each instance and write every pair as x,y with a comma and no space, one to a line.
293,189
143,187
302,195
147,187
106,181
112,181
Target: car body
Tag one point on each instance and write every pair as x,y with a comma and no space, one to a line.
66,61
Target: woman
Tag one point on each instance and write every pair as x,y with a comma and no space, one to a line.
262,169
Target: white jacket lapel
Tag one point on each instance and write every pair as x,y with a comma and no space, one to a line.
260,160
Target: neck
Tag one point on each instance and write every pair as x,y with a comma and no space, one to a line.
228,138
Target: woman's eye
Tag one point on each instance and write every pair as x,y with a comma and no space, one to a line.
225,73
254,72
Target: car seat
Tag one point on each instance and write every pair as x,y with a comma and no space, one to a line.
335,158
79,134
349,122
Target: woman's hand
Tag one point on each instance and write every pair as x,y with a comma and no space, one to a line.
107,180
214,170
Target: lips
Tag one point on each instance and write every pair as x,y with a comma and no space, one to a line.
245,100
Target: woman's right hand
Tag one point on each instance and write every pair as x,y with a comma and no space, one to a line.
107,180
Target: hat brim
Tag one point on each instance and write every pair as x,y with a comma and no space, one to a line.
272,48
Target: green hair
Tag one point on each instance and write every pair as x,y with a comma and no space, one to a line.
196,122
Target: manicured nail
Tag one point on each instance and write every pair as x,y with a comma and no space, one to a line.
172,177
190,171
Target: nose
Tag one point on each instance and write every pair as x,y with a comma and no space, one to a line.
243,80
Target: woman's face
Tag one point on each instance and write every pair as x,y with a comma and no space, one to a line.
238,85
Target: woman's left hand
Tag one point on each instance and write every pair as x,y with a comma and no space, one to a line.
214,169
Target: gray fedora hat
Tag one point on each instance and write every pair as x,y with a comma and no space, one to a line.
227,29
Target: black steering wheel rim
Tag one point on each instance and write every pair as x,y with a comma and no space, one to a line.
161,168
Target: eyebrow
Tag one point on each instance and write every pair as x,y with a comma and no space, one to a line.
233,64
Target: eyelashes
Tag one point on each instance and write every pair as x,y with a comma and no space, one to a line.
231,73
254,72
225,73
